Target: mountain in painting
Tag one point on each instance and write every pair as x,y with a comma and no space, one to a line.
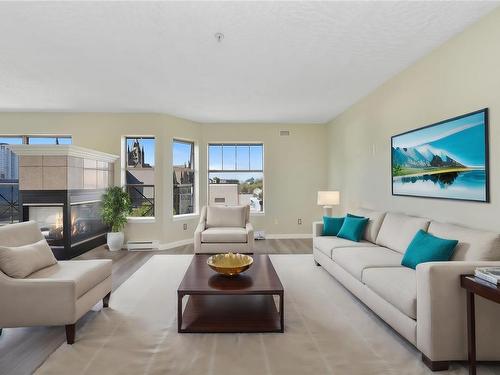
424,156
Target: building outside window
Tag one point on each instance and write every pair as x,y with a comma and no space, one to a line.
183,177
140,175
9,173
236,175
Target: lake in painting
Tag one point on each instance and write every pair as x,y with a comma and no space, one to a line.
445,160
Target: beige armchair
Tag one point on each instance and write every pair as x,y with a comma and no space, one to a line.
59,294
223,229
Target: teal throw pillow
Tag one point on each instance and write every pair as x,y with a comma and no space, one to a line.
332,225
428,248
353,228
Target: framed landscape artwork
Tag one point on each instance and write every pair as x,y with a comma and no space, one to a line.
446,160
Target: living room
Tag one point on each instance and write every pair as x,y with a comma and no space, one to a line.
278,122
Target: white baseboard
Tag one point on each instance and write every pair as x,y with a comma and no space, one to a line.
171,245
288,236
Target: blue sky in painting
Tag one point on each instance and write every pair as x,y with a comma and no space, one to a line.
461,139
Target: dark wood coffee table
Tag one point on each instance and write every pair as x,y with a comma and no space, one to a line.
220,304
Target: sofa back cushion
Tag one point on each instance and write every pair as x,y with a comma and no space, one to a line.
20,234
398,230
222,216
21,261
375,219
473,244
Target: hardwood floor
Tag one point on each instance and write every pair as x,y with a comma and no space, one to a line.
23,350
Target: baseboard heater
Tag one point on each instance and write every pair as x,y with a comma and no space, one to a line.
142,245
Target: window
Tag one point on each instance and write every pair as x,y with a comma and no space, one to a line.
9,181
183,177
140,175
236,175
42,140
9,172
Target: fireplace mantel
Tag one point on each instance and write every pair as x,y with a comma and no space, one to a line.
63,167
62,150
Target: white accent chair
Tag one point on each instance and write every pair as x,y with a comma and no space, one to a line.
59,294
224,229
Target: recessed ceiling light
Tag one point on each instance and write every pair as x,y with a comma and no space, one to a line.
219,37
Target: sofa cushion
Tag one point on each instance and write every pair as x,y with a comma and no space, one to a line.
21,261
356,259
397,285
222,216
353,228
224,234
473,244
86,274
426,247
375,219
326,244
332,225
20,234
398,230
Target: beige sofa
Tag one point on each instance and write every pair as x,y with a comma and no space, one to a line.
426,306
223,229
56,295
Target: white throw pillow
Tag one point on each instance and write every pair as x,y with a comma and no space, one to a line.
21,261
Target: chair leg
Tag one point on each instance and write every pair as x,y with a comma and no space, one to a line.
1,331
105,300
70,334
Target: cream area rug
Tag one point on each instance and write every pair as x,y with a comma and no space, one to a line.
327,331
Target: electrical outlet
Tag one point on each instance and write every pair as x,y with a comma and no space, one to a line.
299,221
276,221
184,226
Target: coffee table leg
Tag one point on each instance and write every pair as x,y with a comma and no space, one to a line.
471,332
282,312
179,312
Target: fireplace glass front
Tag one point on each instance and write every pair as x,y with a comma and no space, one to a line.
50,221
86,221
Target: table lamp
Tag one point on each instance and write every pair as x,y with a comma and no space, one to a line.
327,199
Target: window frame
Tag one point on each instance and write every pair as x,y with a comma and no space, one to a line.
238,143
123,176
195,153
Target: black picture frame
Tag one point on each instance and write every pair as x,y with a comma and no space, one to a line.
485,111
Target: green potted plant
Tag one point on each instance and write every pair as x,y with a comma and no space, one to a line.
116,207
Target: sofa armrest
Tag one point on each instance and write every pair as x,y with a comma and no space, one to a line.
441,312
317,228
28,302
197,236
250,235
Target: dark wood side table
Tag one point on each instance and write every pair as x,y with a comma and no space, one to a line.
491,292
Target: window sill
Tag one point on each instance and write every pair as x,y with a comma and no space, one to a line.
185,217
262,213
141,220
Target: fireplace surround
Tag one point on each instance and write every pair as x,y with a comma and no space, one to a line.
61,188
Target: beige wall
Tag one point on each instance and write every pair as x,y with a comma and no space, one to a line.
294,166
294,170
461,76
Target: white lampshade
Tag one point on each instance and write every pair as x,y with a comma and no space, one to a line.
328,198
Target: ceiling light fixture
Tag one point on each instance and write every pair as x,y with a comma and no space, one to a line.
219,37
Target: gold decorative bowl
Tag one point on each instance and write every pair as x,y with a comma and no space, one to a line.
230,264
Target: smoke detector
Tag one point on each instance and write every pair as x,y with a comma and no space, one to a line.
219,37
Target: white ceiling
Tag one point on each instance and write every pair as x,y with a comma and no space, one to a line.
278,62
